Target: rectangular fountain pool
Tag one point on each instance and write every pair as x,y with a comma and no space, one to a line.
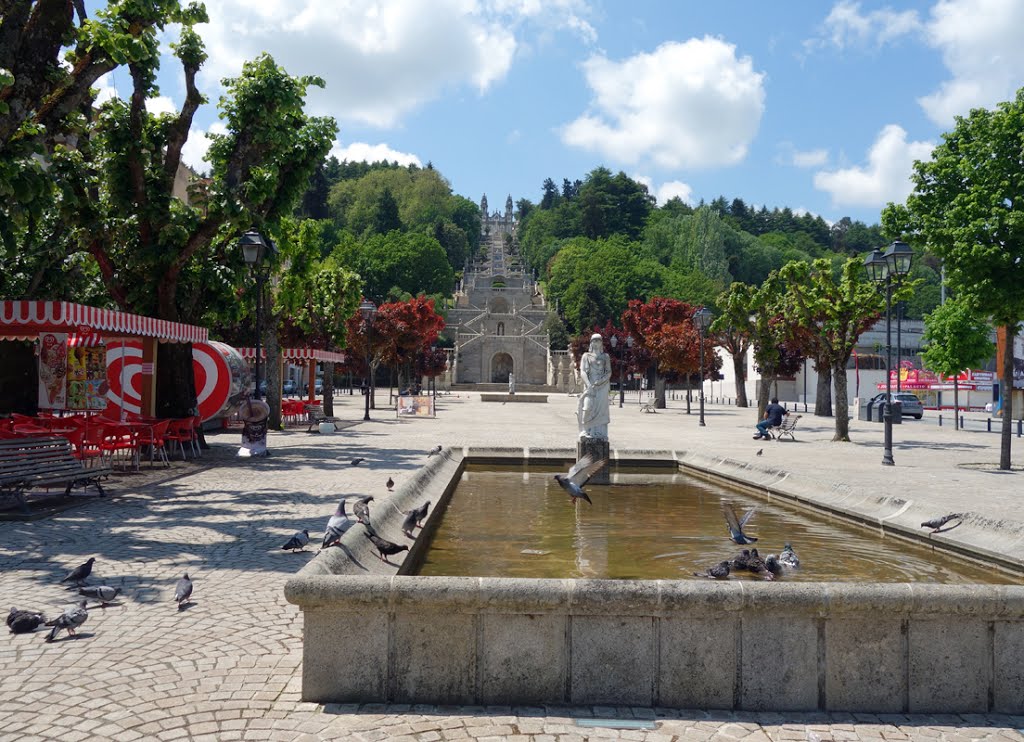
653,524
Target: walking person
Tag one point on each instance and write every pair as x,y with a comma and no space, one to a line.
773,415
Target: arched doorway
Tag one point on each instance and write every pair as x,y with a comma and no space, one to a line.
501,367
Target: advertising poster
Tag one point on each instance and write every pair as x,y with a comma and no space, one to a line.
87,382
53,370
416,406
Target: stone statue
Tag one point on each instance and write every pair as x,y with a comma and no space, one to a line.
511,383
596,373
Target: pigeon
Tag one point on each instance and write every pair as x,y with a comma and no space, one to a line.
70,619
410,523
361,509
773,565
936,524
436,450
24,622
336,526
390,484
421,513
741,560
297,542
103,593
80,573
384,547
357,461
760,451
578,476
736,525
788,557
183,591
719,572
758,566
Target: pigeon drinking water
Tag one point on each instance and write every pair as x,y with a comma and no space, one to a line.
103,593
80,573
24,622
336,526
578,476
183,591
297,542
361,509
70,620
736,524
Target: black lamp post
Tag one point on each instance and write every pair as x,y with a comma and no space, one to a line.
888,271
254,249
615,344
702,319
368,310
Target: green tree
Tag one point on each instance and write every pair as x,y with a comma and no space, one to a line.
385,214
968,207
955,340
398,264
733,331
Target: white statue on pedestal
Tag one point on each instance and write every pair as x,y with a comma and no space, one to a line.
596,372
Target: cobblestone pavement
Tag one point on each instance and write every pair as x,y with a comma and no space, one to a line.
227,667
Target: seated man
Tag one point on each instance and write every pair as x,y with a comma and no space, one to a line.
773,415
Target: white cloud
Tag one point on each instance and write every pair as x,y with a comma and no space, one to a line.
886,177
105,89
363,152
847,26
691,104
672,189
161,104
381,59
194,152
980,45
810,158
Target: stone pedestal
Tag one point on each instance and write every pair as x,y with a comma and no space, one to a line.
599,449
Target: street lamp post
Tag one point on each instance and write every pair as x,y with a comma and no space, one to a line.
702,319
254,249
368,310
628,344
887,271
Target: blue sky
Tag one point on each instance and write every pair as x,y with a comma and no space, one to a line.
819,106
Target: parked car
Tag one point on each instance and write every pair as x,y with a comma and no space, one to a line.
912,405
289,387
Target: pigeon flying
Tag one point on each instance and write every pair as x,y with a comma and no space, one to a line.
719,572
297,542
361,509
80,573
736,524
103,593
390,484
336,526
70,619
183,591
384,547
578,476
936,524
24,622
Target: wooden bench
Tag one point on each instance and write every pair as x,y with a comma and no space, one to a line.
315,415
43,461
648,407
788,426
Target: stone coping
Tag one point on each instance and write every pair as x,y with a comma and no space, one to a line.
517,397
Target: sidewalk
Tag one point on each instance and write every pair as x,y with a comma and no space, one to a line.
229,666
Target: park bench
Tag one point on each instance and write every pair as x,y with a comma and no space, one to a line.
788,426
43,461
647,407
315,415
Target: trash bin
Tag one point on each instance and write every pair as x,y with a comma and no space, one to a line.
864,409
897,412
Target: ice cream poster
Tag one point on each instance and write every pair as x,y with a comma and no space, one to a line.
53,370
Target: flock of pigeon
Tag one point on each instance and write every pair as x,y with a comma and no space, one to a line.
25,622
340,522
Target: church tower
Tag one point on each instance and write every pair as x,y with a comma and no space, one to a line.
483,207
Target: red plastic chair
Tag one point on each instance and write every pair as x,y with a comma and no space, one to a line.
121,438
154,436
180,431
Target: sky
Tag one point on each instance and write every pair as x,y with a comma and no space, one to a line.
815,105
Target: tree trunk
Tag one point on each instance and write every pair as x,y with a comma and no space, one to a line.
842,404
175,381
956,404
739,368
328,389
687,395
272,372
764,386
823,396
1006,392
659,390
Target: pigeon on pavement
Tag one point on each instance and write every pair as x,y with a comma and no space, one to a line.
384,547
361,509
80,573
24,622
336,526
760,451
297,542
103,593
936,524
183,591
436,450
578,476
390,484
719,572
736,524
357,461
70,619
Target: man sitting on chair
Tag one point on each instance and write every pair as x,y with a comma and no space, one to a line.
773,415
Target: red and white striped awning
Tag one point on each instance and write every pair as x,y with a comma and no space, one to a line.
26,319
298,354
